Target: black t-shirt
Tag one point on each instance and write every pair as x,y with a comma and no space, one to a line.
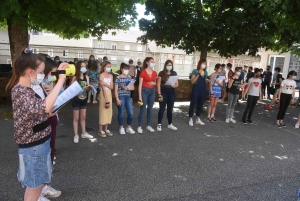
277,80
160,74
267,76
235,89
249,75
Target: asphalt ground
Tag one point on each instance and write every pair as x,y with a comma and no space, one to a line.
215,162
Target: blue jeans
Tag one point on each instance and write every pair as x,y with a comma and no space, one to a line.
168,100
197,98
125,103
148,96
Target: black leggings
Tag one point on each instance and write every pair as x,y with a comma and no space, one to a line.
285,100
251,103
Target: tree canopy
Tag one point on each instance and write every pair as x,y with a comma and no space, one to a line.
229,27
67,18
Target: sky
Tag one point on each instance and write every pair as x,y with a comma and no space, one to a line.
140,10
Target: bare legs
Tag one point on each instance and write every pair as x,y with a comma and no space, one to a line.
82,120
32,194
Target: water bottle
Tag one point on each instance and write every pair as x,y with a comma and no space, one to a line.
298,195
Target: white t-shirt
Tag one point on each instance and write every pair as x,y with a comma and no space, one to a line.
288,86
254,86
38,89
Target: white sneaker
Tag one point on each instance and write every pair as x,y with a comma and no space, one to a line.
42,198
76,139
159,127
198,121
171,126
86,135
139,130
232,121
50,192
191,122
88,101
297,125
108,133
122,131
53,163
149,128
95,101
227,121
102,134
130,130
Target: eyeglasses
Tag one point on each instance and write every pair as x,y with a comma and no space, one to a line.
28,50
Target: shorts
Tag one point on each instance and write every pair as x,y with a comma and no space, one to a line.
217,91
35,166
76,105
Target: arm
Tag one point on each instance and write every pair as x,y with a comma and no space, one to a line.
248,87
194,78
158,85
116,93
211,83
260,95
51,98
176,84
230,83
279,93
140,88
101,78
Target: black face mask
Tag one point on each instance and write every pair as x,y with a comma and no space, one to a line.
268,69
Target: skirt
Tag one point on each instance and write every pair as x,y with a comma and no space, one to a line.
217,91
105,115
35,166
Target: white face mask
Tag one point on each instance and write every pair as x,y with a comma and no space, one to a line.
203,66
152,65
108,70
39,79
125,72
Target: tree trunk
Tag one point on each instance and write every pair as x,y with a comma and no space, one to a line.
18,34
203,54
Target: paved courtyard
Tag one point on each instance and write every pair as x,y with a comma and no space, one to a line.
215,162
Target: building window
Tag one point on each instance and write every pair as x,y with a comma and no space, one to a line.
114,47
8,61
50,53
139,48
127,47
80,54
65,53
101,46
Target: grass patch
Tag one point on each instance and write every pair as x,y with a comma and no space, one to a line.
6,115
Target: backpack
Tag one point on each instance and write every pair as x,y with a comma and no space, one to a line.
138,72
94,76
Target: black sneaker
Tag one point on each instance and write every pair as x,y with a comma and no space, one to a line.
249,121
279,125
283,125
244,122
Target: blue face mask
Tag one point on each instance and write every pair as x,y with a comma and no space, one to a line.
169,68
238,73
49,79
83,70
92,59
57,60
294,77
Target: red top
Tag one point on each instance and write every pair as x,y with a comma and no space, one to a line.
146,78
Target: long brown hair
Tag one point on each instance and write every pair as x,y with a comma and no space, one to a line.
164,76
103,64
93,66
49,65
77,68
199,64
145,65
23,62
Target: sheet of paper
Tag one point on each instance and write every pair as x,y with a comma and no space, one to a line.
221,78
72,91
131,83
172,80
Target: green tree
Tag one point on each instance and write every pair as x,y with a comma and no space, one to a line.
68,18
229,27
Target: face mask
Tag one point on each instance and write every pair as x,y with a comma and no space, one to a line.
83,70
92,59
169,68
257,76
57,60
108,70
294,77
49,79
152,65
238,73
203,66
268,69
39,79
125,72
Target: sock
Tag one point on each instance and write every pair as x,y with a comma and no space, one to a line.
208,116
212,115
44,189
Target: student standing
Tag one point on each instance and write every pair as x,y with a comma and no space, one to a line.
216,86
166,94
32,129
93,73
228,76
277,84
79,104
105,104
234,85
123,100
286,96
254,94
147,82
198,94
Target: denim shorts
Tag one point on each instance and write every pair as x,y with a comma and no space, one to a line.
35,166
76,105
